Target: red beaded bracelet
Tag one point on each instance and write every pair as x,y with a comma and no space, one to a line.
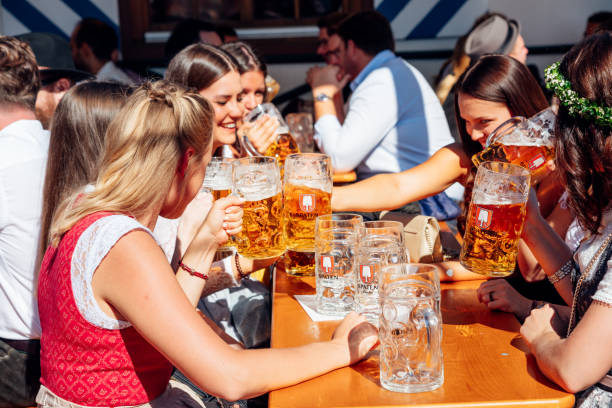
191,271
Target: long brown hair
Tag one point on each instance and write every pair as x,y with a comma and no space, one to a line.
584,148
77,137
199,66
498,78
142,150
495,78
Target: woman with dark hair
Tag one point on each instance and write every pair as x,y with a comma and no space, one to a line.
573,346
490,92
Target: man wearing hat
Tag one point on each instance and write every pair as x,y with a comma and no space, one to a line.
57,72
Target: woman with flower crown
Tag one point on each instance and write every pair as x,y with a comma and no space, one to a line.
573,345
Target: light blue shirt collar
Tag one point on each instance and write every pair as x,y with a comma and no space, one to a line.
378,60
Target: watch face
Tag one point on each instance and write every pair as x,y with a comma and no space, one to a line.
322,97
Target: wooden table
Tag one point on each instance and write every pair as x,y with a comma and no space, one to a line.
484,358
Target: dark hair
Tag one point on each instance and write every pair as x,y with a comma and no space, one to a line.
599,17
583,149
75,147
199,66
101,37
226,30
498,78
19,76
245,57
185,33
369,30
331,21
495,78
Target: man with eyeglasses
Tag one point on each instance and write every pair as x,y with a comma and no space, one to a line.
394,120
327,26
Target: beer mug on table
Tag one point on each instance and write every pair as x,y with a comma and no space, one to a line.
301,127
257,181
284,144
306,194
410,328
381,243
495,219
525,142
336,238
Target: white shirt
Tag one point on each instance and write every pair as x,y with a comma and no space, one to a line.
394,121
111,72
23,160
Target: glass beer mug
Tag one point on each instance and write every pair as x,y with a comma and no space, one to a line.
301,127
257,180
218,181
495,219
284,144
525,142
218,178
307,194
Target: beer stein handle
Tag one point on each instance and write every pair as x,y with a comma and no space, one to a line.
503,129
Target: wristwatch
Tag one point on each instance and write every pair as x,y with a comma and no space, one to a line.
322,97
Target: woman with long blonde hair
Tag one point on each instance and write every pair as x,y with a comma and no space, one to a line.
114,318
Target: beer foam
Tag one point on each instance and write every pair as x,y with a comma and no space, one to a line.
480,197
258,192
320,184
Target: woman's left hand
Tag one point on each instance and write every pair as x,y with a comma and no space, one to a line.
498,294
538,323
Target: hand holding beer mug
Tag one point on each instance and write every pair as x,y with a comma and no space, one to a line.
336,237
525,142
410,328
381,243
495,219
307,194
284,144
257,180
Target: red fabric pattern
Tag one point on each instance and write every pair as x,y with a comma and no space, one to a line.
82,363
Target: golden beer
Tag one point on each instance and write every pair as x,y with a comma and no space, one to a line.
281,148
533,158
217,194
299,263
302,206
262,233
490,243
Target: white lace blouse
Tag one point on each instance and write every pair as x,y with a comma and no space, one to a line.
91,248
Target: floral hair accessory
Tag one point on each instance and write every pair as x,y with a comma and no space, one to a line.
575,104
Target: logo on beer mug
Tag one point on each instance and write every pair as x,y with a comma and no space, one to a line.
327,264
367,273
483,217
307,202
537,162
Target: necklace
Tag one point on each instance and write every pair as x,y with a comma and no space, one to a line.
583,275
